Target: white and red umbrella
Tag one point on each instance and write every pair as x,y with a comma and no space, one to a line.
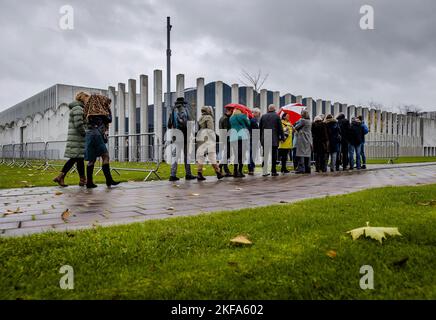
293,110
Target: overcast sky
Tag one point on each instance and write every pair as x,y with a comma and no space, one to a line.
310,48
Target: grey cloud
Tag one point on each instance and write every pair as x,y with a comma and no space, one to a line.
314,48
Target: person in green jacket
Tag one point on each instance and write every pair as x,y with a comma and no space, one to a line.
75,149
239,128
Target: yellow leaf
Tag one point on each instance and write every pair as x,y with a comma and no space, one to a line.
171,208
65,215
332,254
58,193
241,240
195,194
376,233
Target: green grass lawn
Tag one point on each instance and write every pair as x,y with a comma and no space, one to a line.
192,258
16,177
403,160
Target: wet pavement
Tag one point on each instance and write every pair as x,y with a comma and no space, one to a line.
36,210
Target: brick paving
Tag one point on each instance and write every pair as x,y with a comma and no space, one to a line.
40,209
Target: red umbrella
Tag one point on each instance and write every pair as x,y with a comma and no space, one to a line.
293,110
241,107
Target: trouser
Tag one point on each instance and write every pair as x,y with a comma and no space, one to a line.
266,155
251,165
362,153
227,155
174,163
353,149
344,156
284,156
320,161
333,159
295,158
237,151
80,164
304,164
202,159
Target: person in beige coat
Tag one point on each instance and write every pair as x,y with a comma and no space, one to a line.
206,143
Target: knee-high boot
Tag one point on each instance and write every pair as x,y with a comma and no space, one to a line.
107,174
89,175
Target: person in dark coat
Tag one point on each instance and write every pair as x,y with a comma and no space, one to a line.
224,124
365,130
355,137
344,126
304,143
320,143
334,140
75,149
254,125
98,116
271,121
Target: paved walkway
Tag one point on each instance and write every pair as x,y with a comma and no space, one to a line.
40,209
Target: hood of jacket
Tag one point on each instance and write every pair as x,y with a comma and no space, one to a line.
75,104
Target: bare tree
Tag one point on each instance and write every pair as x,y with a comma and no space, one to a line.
375,105
409,108
254,80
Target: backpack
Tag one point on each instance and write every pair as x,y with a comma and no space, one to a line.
180,118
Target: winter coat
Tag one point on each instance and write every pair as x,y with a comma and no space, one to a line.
334,135
75,147
271,120
206,122
240,127
365,131
304,137
320,137
355,134
287,131
344,126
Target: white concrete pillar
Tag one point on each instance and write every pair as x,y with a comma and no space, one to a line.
132,119
377,121
309,106
180,86
372,121
264,101
235,93
318,107
299,99
365,115
359,111
384,116
276,99
111,146
409,125
157,113
400,125
395,125
351,112
121,106
336,109
389,124
344,109
288,99
143,121
200,96
328,107
250,97
218,103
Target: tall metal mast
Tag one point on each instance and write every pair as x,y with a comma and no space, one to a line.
168,102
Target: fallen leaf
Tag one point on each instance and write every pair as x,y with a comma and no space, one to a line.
58,193
238,189
241,240
283,201
195,194
24,182
332,254
18,210
65,215
170,208
377,233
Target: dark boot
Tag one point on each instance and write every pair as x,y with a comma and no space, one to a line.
241,171
107,174
60,180
89,174
235,170
200,176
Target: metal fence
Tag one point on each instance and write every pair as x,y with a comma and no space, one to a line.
389,150
146,150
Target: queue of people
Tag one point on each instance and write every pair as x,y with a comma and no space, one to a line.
332,143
